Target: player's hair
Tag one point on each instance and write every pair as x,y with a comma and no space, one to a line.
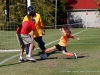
67,30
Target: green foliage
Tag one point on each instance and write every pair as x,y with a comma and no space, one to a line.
45,9
17,10
61,8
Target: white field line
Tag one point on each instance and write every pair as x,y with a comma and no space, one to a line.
79,32
9,59
39,48
35,49
84,43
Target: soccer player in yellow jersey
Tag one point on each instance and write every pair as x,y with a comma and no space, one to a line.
61,46
39,28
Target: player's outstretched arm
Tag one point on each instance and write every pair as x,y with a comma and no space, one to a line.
76,38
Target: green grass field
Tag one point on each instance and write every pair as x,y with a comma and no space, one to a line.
87,50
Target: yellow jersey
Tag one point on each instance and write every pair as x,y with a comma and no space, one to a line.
38,23
64,39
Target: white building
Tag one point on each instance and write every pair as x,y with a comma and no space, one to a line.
82,13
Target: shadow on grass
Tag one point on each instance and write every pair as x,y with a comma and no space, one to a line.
55,52
9,64
60,58
82,56
48,54
16,63
47,58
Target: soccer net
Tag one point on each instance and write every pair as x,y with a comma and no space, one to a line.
74,25
8,39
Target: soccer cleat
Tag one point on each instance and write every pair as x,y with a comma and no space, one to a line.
30,59
21,60
75,56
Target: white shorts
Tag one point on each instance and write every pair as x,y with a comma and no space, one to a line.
23,39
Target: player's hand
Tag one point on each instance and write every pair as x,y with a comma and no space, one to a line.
78,39
43,32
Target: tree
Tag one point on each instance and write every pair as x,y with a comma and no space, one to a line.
44,8
98,2
61,11
17,10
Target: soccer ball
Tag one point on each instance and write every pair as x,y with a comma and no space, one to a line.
43,56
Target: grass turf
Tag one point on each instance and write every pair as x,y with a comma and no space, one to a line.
87,49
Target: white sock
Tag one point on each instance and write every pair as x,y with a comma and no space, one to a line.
20,57
28,55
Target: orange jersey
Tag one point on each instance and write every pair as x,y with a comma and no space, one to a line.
64,39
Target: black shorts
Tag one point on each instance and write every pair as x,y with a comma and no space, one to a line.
60,48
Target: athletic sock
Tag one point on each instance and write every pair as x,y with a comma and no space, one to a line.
69,54
20,57
47,50
28,55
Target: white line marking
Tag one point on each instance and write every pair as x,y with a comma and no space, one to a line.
34,49
9,50
89,35
39,48
79,32
8,59
84,43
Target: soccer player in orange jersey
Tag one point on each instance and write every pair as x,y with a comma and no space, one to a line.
61,46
